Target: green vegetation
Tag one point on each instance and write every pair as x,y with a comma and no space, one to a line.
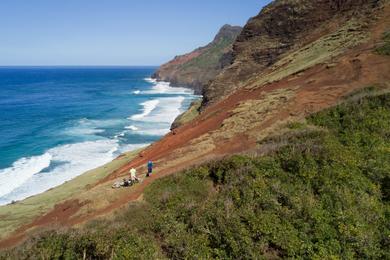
322,50
384,49
211,57
325,194
189,115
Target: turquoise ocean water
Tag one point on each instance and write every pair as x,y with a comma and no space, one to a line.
58,122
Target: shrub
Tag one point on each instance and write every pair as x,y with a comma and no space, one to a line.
324,194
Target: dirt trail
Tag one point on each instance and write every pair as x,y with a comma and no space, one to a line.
314,89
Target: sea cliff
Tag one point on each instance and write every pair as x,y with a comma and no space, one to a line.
195,69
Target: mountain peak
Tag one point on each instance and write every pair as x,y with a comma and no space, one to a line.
228,31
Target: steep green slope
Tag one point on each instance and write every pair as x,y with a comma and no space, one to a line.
384,49
324,193
196,68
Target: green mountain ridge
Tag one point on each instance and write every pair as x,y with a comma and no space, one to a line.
195,69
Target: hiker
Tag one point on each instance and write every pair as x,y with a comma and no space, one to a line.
150,168
133,176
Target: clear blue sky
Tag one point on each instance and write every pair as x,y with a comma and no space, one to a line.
112,32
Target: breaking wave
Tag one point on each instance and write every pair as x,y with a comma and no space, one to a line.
30,176
148,107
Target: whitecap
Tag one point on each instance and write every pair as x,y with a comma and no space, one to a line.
121,134
22,170
150,80
148,107
96,123
28,177
88,128
163,87
165,111
80,131
132,127
155,131
157,122
132,147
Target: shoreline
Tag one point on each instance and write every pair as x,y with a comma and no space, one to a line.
145,117
12,215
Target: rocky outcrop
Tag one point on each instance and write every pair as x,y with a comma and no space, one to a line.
198,67
281,28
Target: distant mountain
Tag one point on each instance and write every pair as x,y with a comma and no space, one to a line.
196,68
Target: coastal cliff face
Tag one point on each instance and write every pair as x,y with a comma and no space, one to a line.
285,26
195,69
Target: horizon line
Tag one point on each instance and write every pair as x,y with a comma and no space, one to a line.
90,66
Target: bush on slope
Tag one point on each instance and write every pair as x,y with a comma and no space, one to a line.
325,194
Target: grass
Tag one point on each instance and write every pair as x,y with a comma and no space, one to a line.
384,49
14,215
191,113
323,194
322,50
252,113
210,58
199,70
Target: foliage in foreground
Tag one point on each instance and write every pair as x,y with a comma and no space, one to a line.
324,195
384,49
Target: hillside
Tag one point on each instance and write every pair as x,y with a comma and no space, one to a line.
196,68
310,125
288,36
324,192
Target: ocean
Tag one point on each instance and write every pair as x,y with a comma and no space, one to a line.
58,122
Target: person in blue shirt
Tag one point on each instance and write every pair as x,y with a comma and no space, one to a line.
150,168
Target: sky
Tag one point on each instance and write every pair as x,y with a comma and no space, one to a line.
112,32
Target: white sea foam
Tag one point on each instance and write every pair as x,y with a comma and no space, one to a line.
148,107
155,131
78,131
167,110
132,147
89,128
150,80
136,92
162,87
22,170
131,127
85,122
165,88
121,134
27,177
158,121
